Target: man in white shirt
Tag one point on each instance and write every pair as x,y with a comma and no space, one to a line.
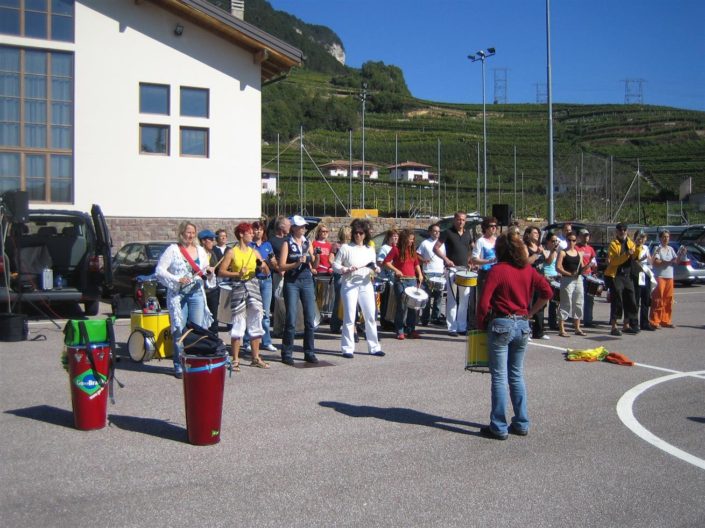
433,268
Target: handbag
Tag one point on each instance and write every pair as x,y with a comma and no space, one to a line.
199,341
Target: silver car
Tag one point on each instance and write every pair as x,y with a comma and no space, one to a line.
690,271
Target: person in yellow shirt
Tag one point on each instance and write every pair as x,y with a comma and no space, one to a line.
618,277
240,264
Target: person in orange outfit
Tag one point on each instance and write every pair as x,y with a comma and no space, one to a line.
664,259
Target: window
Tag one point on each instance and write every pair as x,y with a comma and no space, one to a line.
194,142
42,19
154,139
194,102
36,121
154,99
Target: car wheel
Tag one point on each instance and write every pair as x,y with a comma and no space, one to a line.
91,307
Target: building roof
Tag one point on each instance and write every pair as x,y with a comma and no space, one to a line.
275,56
410,165
344,164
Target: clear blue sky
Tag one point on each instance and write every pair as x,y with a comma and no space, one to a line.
596,44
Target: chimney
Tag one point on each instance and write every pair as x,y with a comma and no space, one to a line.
237,9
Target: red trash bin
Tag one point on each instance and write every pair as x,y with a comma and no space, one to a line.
89,397
204,383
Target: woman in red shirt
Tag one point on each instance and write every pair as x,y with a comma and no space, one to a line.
404,263
504,310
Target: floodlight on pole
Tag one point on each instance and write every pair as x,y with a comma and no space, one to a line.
482,55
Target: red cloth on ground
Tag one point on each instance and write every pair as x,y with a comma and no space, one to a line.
509,290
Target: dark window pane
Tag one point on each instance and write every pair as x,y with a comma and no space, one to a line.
154,99
35,166
35,86
9,165
194,142
61,190
61,137
61,166
10,3
35,24
9,84
36,189
61,64
10,134
9,109
65,7
154,139
35,135
9,59
61,89
62,28
9,21
35,62
194,102
35,111
36,5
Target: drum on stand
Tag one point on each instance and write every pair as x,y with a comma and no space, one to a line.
225,312
325,295
150,336
436,284
465,278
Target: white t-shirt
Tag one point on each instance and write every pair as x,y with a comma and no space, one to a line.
484,249
425,251
668,256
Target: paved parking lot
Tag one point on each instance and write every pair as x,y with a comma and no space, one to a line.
390,441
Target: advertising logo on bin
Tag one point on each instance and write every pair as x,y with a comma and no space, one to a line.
87,383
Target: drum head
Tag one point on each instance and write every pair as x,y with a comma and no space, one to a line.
140,346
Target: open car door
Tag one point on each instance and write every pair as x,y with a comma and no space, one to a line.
104,243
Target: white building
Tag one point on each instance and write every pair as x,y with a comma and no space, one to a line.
411,171
269,181
141,106
341,168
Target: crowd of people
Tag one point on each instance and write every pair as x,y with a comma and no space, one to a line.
511,278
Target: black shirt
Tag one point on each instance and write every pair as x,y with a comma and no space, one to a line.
457,246
277,243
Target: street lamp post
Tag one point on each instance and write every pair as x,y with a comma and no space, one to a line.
363,98
481,55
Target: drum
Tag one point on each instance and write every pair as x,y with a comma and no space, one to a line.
465,278
436,284
414,298
158,325
476,352
556,287
325,294
225,313
141,345
594,286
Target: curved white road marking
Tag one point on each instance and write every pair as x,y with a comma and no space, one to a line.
626,414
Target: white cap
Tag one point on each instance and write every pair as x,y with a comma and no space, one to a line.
299,221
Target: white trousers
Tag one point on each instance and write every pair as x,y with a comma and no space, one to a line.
250,320
457,301
572,298
351,295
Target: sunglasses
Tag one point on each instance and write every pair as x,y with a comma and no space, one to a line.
359,233
622,229
572,240
492,225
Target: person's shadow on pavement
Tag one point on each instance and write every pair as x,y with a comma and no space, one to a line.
402,415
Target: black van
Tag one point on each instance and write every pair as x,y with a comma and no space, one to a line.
57,256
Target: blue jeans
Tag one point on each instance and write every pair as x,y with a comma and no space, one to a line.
588,304
300,288
265,290
507,339
193,307
404,319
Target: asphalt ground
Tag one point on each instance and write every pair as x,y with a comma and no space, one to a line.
390,441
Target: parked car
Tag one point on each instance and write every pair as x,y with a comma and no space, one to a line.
57,256
133,260
693,269
601,251
420,236
694,234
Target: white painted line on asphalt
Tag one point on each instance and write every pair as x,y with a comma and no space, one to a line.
534,343
626,414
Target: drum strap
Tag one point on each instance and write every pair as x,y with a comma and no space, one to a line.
111,364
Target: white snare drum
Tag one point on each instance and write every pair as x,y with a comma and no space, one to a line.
465,278
436,284
594,286
414,298
141,345
225,313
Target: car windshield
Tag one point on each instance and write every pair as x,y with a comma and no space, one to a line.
154,251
